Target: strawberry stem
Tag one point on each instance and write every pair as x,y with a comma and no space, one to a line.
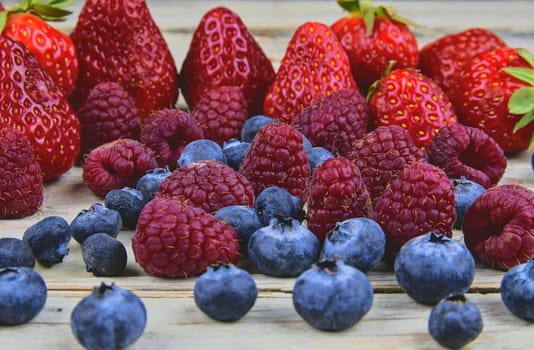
52,11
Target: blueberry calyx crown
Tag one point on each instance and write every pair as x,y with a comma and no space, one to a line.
327,265
438,238
456,298
283,221
218,266
103,289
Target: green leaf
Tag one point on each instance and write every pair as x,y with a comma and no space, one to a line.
3,20
524,121
49,12
524,74
531,146
351,6
369,19
522,101
527,56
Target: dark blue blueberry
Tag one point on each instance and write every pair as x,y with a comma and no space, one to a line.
253,125
532,160
104,255
332,296
275,200
318,155
202,149
96,219
308,146
235,151
109,318
23,295
465,194
128,202
49,239
359,242
225,292
284,248
517,290
455,321
15,252
244,220
149,183
432,266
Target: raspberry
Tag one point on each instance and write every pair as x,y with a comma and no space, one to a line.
419,200
207,184
469,152
221,113
383,154
337,192
499,227
116,164
176,240
107,114
167,132
335,121
21,187
277,158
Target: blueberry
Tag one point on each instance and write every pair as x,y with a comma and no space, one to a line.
332,296
432,266
225,292
128,202
251,127
284,248
104,255
517,290
532,160
15,252
244,220
275,200
202,149
96,219
359,242
235,151
23,295
308,146
455,321
49,239
109,318
149,183
318,155
465,194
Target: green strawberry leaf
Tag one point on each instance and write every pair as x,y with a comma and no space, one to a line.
522,101
3,20
531,146
49,13
524,121
527,56
523,74
60,3
352,6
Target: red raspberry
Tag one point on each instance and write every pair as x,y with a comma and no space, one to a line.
277,158
107,114
467,151
167,132
419,200
207,184
499,226
116,164
177,240
383,154
335,121
21,187
337,193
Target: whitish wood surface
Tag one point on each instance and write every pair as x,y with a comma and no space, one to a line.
394,322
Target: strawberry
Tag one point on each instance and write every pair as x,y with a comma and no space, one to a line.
315,64
118,41
53,48
407,98
223,52
441,59
373,38
495,93
31,102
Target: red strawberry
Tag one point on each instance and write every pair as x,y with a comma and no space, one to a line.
119,41
335,121
221,113
21,188
407,98
116,164
31,102
482,96
176,240
209,185
106,115
277,158
499,227
373,38
337,192
383,154
315,64
419,200
53,49
167,132
223,52
441,59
